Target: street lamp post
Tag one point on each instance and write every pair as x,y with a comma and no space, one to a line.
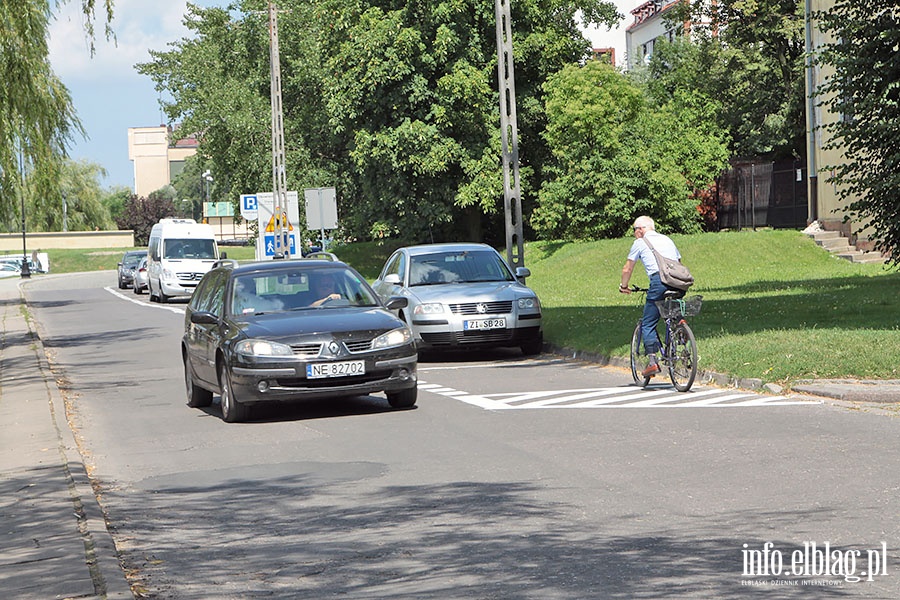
26,270
207,177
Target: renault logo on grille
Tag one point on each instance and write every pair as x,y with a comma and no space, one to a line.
334,348
481,307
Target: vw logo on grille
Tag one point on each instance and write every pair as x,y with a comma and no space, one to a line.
481,307
334,347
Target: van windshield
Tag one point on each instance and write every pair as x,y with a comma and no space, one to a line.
189,248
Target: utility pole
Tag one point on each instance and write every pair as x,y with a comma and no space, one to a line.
512,199
279,178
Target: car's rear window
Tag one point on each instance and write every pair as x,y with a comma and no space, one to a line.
131,260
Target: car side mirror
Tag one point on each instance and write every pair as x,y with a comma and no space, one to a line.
522,272
203,317
393,279
396,302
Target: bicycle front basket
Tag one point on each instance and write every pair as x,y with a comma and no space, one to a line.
677,307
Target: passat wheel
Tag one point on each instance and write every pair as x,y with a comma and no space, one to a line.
533,347
232,410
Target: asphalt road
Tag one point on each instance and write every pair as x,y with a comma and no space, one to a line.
513,478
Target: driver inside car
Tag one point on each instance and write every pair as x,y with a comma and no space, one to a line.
324,288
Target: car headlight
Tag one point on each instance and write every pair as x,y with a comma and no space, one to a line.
395,337
432,308
167,274
530,303
262,348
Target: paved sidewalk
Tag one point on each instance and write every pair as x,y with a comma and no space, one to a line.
53,537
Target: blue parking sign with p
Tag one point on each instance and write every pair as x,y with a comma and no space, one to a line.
249,206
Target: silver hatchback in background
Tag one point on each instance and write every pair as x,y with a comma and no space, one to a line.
462,295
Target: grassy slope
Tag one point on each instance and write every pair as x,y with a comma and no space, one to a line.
775,306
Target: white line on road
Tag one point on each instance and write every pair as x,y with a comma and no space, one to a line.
174,309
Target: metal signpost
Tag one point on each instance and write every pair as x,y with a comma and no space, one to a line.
321,210
279,178
512,199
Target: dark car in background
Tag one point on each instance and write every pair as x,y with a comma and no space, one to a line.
461,296
127,266
288,330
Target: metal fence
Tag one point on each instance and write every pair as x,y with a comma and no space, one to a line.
762,194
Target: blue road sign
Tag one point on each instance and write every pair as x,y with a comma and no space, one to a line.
269,243
249,206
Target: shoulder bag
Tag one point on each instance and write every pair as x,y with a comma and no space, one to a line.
671,272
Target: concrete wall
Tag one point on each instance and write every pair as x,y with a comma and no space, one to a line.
12,242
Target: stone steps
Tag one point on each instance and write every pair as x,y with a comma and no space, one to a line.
841,247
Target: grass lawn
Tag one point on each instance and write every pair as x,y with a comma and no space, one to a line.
775,306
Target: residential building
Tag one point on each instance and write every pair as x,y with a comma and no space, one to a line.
605,55
156,157
649,26
825,206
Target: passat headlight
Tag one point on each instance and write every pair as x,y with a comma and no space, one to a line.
395,337
530,303
432,308
262,348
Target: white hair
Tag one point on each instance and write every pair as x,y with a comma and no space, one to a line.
645,222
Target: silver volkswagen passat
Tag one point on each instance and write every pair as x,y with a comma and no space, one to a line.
462,295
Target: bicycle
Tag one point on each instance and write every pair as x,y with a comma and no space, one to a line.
678,352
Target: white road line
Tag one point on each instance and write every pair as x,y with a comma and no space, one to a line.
173,309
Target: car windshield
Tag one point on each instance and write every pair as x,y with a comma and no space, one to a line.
300,289
190,248
457,267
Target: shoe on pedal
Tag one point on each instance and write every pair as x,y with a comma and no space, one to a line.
651,370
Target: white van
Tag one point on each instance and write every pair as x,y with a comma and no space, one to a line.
180,252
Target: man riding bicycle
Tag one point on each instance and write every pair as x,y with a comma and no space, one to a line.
644,227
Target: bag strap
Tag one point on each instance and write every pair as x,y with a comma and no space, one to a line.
659,257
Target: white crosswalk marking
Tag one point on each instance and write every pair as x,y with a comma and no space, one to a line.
616,397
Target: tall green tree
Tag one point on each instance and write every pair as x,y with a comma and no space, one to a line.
749,56
81,196
393,102
865,95
37,118
619,156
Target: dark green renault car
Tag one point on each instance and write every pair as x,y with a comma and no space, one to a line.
284,331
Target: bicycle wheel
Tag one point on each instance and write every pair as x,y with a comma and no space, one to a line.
639,361
682,357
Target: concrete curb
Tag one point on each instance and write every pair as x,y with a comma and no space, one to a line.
885,392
